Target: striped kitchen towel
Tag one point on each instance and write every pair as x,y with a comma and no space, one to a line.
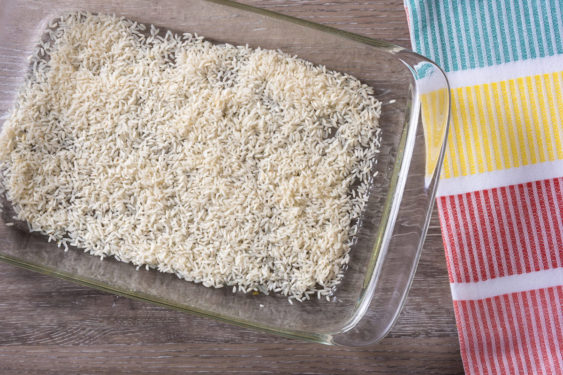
500,199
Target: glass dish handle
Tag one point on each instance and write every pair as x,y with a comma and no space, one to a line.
416,178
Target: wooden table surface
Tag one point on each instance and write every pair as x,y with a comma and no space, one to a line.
50,326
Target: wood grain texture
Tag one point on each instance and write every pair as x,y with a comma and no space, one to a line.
50,326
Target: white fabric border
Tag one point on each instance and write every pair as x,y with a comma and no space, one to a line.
504,177
506,285
495,73
503,72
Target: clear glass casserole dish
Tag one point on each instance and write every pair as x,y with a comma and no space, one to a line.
414,123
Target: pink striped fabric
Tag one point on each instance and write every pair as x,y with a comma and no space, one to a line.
513,333
491,234
503,231
513,235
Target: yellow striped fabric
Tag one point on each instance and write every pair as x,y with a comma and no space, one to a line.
432,109
500,125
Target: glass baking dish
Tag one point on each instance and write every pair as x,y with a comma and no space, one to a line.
414,123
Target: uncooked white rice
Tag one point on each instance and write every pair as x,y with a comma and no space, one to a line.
225,165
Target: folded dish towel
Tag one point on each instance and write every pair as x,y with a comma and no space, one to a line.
500,199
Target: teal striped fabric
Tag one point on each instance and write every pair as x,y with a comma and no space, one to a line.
463,34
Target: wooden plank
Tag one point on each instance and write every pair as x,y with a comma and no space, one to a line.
210,358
